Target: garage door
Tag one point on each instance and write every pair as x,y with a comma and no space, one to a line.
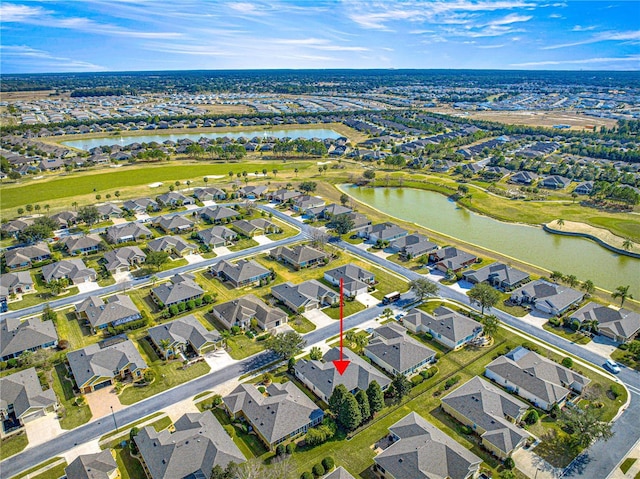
101,385
33,415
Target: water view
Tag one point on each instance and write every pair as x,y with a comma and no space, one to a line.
87,144
570,255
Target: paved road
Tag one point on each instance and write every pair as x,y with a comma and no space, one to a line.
596,463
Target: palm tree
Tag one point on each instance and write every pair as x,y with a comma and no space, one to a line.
627,244
588,287
622,292
164,345
571,280
560,222
225,337
556,276
490,325
75,205
296,171
154,280
46,207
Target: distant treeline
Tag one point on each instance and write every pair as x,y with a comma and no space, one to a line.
100,92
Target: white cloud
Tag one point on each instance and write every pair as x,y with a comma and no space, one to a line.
601,37
555,15
318,44
580,28
10,12
246,8
491,46
584,61
25,55
511,18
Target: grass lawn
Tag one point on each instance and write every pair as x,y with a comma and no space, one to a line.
42,296
106,437
627,463
287,230
33,469
239,346
167,375
626,358
350,307
301,324
69,328
249,444
566,333
141,297
517,311
54,473
170,264
243,243
74,416
13,444
130,467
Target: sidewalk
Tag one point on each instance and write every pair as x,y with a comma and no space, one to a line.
634,470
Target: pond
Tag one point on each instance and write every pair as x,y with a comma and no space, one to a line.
123,140
570,255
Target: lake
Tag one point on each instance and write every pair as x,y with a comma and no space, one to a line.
124,140
570,255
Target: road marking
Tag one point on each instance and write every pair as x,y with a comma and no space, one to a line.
633,389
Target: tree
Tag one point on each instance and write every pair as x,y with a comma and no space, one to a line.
336,398
275,172
560,222
369,174
401,386
344,199
88,215
342,224
349,416
41,228
164,345
363,404
571,280
295,170
156,259
585,425
286,345
627,244
315,353
556,276
98,197
485,295
588,287
490,325
423,288
56,286
567,362
308,186
622,292
48,314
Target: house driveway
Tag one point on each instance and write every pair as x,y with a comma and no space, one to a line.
218,359
367,300
119,221
123,277
601,345
193,258
318,318
43,429
101,401
221,251
90,447
86,287
262,239
532,465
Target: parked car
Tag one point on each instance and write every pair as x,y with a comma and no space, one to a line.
612,366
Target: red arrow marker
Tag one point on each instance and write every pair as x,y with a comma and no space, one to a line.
341,364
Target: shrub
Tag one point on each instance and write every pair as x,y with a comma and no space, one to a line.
262,389
623,346
427,336
415,380
616,390
306,475
318,470
567,362
555,321
207,299
249,334
235,330
555,411
438,356
509,463
451,382
291,448
429,373
198,302
182,307
280,450
173,310
531,417
328,463
216,400
191,304
263,337
63,344
3,365
465,430
530,346
12,363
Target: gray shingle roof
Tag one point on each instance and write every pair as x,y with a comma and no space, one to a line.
17,336
135,230
74,243
96,362
26,254
486,405
302,294
350,272
425,452
453,258
453,326
217,213
497,272
339,473
324,375
385,231
619,322
392,345
181,287
23,390
555,296
108,209
247,307
197,445
176,243
111,310
74,269
186,330
140,204
92,466
284,409
239,272
298,254
171,222
123,257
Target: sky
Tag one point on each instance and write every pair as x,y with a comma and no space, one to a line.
127,35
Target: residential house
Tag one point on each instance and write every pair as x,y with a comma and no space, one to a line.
252,192
31,334
184,336
299,256
535,378
382,232
50,164
422,451
217,236
141,205
621,325
240,312
241,274
26,256
180,288
209,194
360,221
23,398
523,178
499,275
84,244
490,413
396,352
126,232
65,219
14,227
219,214
99,465
282,412
584,188
322,377
246,228
550,298
283,195
267,227
172,245
452,259
72,269
305,202
11,284
355,279
305,296
177,224
174,198
555,182
197,444
123,259
108,211
339,473
113,311
97,365
449,328
412,246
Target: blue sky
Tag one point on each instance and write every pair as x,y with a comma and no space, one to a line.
110,35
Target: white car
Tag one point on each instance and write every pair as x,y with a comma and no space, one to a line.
612,366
